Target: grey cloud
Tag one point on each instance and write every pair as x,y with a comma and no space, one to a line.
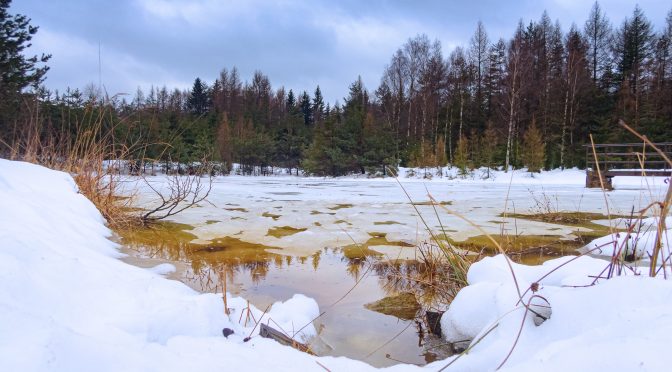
299,44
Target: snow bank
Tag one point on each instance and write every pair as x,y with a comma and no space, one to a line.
639,244
619,324
67,303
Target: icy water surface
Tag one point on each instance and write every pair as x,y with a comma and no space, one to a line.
268,238
333,213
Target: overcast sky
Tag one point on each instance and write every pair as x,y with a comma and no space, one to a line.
298,44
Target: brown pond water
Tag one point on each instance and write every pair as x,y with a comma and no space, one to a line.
348,328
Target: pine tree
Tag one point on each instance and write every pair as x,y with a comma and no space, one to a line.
534,149
17,71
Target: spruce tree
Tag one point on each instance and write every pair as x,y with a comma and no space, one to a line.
306,109
198,101
17,71
318,106
350,134
291,101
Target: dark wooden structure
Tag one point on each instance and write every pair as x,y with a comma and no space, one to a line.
267,331
625,159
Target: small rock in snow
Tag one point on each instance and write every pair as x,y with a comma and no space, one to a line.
227,332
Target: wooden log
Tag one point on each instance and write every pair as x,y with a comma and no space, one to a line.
267,331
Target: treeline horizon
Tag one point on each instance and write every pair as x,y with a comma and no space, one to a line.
529,101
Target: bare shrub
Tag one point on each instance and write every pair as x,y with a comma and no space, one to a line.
182,192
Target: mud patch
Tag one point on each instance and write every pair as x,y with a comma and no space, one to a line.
236,209
275,217
387,223
282,231
318,212
340,206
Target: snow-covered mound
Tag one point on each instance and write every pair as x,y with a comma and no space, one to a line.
67,303
620,324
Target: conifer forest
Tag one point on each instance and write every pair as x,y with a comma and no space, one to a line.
531,100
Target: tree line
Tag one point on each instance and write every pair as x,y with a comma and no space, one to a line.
531,100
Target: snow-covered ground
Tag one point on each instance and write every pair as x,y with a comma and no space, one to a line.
621,324
68,304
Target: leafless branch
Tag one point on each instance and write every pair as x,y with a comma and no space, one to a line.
184,192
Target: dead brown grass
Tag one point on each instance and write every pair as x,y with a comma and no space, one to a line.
81,150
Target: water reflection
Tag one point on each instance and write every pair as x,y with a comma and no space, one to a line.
263,276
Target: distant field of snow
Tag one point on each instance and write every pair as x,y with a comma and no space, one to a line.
68,304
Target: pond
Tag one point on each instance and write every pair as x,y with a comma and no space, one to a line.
346,283
351,245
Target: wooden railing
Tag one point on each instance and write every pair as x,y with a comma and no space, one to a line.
625,159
